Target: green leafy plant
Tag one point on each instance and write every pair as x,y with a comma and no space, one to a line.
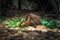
58,24
48,23
16,23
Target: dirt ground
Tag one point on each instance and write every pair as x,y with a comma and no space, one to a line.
39,33
30,33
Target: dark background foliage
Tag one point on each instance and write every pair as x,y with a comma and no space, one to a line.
11,8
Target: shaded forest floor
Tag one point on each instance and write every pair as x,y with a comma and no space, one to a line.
9,34
30,33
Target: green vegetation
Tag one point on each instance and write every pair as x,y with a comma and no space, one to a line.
58,24
16,23
48,23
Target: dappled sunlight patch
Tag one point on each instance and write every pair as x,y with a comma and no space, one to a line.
15,23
